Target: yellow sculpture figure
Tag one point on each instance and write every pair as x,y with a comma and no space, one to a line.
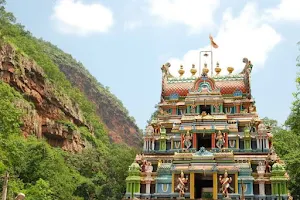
181,186
159,163
225,182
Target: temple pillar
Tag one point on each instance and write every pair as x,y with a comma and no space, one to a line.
238,108
215,186
153,143
182,138
148,184
237,143
195,140
213,140
221,108
262,188
145,144
172,144
163,144
267,143
174,110
236,183
192,185
173,182
226,140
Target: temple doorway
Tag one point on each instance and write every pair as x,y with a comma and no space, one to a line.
203,186
203,140
205,108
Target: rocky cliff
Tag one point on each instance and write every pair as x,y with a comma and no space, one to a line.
114,115
53,113
44,117
121,129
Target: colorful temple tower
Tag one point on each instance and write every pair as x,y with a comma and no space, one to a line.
207,142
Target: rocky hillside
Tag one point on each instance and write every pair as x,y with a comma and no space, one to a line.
121,126
42,108
52,107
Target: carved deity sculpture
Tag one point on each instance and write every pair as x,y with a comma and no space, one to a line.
159,163
193,108
187,140
225,184
248,66
182,183
149,167
252,125
252,108
268,164
165,70
220,140
217,108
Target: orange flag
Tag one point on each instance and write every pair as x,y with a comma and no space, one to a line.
212,43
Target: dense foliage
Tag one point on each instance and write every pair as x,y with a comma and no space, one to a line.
287,143
37,169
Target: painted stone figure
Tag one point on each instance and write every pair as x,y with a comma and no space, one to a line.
225,183
182,184
220,140
187,140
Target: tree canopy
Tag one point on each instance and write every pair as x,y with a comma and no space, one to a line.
287,142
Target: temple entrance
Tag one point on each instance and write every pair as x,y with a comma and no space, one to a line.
203,186
203,141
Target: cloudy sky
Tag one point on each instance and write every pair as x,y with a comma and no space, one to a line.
124,43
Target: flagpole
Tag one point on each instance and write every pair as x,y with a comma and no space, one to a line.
211,57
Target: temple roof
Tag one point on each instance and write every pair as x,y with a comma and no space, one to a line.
226,84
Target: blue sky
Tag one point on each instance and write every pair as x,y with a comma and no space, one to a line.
124,43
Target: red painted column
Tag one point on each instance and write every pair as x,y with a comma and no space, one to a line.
182,145
195,140
213,140
174,110
238,107
226,140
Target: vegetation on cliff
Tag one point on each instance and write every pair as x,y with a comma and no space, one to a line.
39,170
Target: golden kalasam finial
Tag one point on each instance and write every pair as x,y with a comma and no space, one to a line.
193,70
218,69
181,70
205,70
230,69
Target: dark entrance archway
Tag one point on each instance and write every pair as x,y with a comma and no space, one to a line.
203,141
203,186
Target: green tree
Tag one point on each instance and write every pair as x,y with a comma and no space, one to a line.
287,143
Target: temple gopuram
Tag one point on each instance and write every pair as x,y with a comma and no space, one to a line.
207,142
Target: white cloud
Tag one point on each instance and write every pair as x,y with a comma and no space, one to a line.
286,10
131,25
195,14
243,36
73,16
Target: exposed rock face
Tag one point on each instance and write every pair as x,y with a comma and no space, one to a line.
121,129
49,105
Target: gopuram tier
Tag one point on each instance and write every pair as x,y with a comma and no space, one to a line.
207,142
